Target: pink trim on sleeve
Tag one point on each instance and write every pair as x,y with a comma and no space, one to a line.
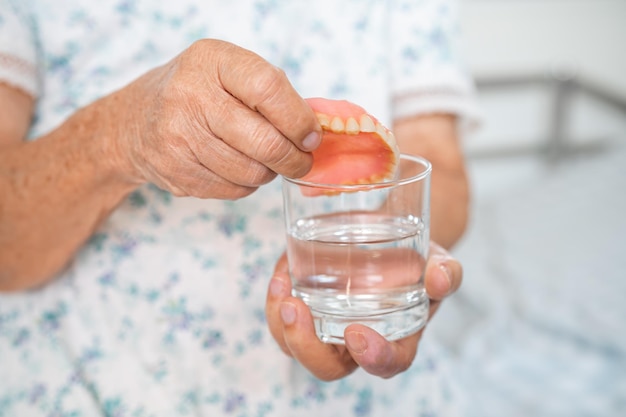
18,73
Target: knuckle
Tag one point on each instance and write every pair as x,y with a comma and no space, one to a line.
282,156
202,48
271,149
200,44
295,164
302,168
258,174
268,80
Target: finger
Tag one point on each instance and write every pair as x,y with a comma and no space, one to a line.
279,289
231,164
291,326
444,273
265,88
326,361
194,180
250,133
378,356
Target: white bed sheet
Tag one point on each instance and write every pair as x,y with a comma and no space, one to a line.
539,326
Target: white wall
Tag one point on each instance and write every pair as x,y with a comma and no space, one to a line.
547,40
535,36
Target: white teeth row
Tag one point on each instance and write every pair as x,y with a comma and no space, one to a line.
353,127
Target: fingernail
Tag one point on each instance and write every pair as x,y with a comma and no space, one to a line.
288,313
276,287
312,141
356,342
446,272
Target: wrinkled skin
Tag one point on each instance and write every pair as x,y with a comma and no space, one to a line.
228,120
217,121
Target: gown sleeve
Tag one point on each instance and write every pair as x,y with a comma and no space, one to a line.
18,48
428,72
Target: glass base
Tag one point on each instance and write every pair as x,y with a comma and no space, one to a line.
392,325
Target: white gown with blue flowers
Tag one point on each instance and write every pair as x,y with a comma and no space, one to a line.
162,312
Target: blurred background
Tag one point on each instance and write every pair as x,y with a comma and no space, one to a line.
538,328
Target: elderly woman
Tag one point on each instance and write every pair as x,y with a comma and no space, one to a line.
134,273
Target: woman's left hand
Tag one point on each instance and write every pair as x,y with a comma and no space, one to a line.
291,325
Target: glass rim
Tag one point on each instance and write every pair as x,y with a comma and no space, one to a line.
382,184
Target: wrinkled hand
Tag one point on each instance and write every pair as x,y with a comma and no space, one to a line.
291,325
217,121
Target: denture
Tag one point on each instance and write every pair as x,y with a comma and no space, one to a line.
355,148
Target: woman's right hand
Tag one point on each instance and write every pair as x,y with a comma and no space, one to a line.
217,121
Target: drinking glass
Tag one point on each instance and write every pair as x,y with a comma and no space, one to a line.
357,253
